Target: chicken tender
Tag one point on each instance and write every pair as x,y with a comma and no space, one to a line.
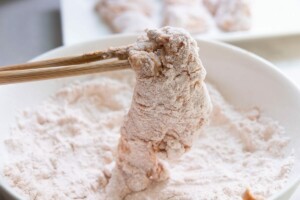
170,104
190,15
126,15
211,5
233,15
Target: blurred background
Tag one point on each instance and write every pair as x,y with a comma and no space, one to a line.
31,27
268,28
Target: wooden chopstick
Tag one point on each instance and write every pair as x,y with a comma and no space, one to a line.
17,75
71,60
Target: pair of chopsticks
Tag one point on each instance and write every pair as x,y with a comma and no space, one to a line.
64,67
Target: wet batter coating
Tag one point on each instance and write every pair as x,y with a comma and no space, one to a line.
170,103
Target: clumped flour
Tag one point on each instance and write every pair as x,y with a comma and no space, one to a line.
65,148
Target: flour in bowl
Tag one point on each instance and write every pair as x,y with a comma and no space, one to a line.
65,147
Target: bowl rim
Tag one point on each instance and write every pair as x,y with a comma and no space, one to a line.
270,69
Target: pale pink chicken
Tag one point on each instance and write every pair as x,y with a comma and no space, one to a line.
212,5
127,15
190,15
170,103
230,15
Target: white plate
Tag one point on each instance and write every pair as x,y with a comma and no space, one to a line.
270,18
243,78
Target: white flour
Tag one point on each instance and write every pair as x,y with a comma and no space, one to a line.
64,149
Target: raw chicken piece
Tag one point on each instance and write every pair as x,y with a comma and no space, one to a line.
170,104
233,15
126,15
190,15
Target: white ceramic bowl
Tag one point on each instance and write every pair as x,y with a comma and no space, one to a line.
243,78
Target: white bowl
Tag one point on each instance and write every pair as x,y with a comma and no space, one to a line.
243,78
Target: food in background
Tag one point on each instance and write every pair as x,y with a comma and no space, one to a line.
211,5
233,15
190,15
196,16
127,15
